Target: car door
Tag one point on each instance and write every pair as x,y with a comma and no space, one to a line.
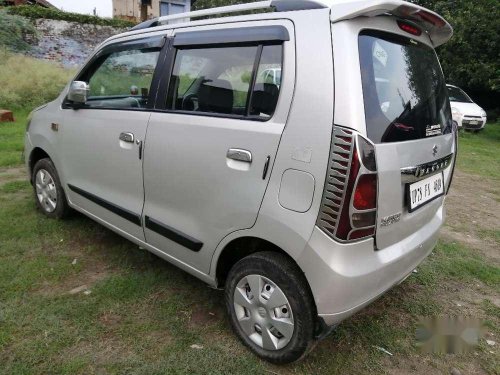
103,139
212,140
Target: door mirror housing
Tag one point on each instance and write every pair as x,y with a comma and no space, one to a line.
78,92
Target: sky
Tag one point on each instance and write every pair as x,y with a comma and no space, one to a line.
104,7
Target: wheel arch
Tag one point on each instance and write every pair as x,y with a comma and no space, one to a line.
240,247
36,154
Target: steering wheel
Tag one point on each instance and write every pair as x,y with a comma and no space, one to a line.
190,102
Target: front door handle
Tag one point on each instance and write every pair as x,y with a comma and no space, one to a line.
127,137
239,155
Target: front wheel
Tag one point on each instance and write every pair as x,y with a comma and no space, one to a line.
270,307
49,194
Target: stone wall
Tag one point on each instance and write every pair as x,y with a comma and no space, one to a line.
68,43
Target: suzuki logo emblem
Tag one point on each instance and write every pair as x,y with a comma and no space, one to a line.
434,150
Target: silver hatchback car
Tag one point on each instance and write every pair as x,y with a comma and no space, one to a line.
306,200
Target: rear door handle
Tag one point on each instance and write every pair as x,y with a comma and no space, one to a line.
127,137
239,155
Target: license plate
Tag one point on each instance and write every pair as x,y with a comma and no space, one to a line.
424,191
473,122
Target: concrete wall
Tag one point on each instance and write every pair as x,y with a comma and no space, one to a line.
68,43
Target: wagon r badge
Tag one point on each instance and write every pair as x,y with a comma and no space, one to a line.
388,220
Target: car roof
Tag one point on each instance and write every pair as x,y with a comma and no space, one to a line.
437,27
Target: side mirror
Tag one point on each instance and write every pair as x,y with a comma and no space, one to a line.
78,92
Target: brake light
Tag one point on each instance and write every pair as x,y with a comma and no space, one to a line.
349,206
365,195
411,29
358,215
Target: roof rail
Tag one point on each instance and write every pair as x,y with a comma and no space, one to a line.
278,5
220,10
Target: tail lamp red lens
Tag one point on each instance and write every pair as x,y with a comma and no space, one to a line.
361,233
409,28
365,195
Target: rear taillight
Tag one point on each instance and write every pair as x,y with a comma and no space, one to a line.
349,207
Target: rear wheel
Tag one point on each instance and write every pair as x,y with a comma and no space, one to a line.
270,307
49,194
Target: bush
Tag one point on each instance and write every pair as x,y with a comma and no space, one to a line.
14,30
27,82
493,115
35,12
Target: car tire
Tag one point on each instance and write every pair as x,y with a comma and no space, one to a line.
279,329
49,194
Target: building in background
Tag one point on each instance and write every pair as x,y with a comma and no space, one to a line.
43,3
142,10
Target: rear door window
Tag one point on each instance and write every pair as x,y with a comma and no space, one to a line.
404,91
225,80
267,82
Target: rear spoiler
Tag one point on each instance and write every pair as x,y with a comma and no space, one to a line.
438,29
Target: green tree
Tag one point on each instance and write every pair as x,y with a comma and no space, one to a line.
471,57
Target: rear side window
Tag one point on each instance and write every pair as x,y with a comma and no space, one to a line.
267,82
225,81
404,91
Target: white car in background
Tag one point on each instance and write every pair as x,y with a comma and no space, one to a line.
272,75
465,112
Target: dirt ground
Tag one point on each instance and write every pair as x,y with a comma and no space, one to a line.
473,219
473,208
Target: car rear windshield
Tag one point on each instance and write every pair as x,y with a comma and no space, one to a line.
457,95
404,91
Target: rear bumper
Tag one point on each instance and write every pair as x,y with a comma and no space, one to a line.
346,277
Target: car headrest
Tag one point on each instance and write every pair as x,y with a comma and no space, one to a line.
216,96
265,98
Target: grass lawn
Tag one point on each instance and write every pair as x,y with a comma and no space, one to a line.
12,139
136,314
478,153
